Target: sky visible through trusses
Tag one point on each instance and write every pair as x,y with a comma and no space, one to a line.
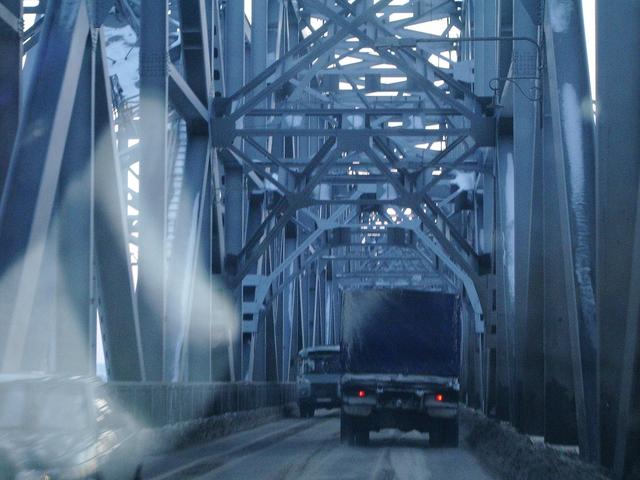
588,9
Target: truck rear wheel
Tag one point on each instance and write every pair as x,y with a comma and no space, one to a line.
444,433
450,432
362,436
435,434
307,410
354,431
346,428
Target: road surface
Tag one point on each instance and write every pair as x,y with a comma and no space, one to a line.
310,449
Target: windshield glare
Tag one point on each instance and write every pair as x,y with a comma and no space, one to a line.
63,409
43,408
12,407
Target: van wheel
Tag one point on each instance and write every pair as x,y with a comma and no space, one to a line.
346,429
306,410
362,436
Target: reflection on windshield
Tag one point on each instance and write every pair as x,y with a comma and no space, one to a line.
12,407
42,408
63,410
322,364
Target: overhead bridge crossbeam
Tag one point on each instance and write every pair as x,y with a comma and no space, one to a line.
200,182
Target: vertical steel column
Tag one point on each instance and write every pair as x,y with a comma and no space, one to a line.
117,303
234,43
575,161
337,308
296,335
560,425
529,364
271,366
329,316
10,76
259,36
498,383
617,176
279,308
234,193
189,284
75,312
485,19
627,445
288,305
153,184
259,52
199,352
506,284
253,353
234,58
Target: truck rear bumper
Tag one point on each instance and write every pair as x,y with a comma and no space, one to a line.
405,420
357,410
443,411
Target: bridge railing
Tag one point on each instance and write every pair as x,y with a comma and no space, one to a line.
159,404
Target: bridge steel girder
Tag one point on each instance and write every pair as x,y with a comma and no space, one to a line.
575,162
267,241
189,271
152,290
27,205
527,154
11,52
118,307
559,391
617,177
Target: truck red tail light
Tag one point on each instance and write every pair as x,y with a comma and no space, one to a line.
439,397
362,393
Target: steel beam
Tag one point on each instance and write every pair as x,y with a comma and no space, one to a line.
528,319
10,75
188,314
506,345
151,290
627,444
575,160
617,176
75,312
118,308
28,197
560,420
234,182
484,16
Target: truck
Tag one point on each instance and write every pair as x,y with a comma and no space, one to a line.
400,353
319,371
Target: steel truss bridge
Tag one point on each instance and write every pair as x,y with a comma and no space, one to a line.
200,180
